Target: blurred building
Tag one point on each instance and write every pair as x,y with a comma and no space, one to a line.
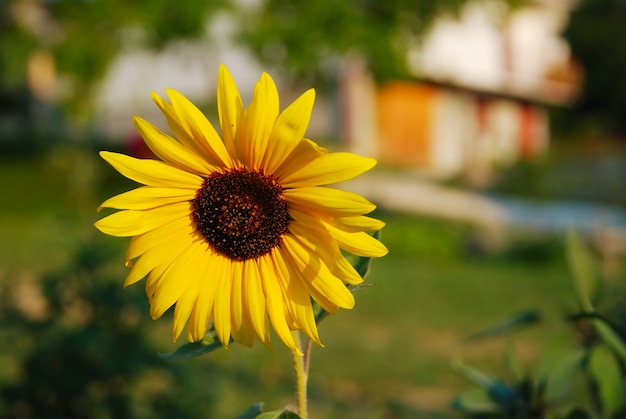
483,83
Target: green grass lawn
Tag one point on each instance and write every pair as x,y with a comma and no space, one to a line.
390,355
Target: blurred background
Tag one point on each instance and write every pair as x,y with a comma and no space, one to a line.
498,126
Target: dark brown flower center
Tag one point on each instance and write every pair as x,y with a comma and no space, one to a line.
241,213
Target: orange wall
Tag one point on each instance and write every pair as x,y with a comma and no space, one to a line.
405,116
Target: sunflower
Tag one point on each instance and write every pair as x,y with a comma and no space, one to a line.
241,231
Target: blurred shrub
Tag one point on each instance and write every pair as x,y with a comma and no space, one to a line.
581,375
74,344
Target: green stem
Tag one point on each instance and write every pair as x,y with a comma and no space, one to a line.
301,366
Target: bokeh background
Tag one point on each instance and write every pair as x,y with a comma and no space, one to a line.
498,126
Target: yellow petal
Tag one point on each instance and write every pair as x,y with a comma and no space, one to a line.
304,153
159,256
328,168
241,327
200,128
183,309
174,232
179,131
152,172
360,244
346,272
274,302
148,197
212,271
316,237
259,119
356,223
175,280
317,276
255,302
288,131
298,299
221,306
315,234
132,222
229,107
327,202
170,150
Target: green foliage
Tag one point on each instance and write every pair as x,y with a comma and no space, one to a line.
84,355
308,37
523,319
84,36
427,296
597,358
595,34
583,274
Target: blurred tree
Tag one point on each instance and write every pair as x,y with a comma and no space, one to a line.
595,33
307,37
84,36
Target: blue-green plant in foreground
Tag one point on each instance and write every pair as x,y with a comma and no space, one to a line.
581,374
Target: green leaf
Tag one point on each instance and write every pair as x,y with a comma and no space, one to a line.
209,343
252,412
279,414
514,364
499,392
519,320
256,412
607,374
580,413
475,400
558,369
471,374
582,268
610,338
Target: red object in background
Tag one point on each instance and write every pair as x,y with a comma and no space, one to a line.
136,147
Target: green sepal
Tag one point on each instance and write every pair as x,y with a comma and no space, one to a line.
209,343
362,263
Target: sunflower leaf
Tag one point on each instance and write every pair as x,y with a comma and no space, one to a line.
209,343
279,414
252,412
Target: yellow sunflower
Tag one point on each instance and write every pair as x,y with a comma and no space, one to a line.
239,231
